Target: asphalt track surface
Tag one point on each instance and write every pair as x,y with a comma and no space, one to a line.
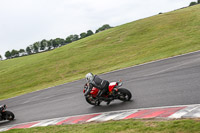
173,81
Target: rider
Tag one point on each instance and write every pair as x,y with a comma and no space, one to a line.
1,109
95,81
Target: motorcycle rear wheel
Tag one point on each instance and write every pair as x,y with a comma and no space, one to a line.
124,94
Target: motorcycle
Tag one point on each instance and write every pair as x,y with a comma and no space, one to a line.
6,115
114,92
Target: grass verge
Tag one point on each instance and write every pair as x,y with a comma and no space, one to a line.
123,126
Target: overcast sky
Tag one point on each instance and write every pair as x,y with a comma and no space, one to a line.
23,22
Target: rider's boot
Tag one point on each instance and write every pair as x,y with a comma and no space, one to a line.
97,101
109,100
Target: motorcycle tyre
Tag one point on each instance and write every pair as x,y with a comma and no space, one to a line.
126,92
92,103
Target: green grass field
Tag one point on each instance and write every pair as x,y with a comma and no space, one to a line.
124,126
141,41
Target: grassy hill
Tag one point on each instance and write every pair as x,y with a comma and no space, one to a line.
152,38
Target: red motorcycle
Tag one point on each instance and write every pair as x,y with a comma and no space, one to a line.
114,93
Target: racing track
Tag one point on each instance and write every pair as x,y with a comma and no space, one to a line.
173,81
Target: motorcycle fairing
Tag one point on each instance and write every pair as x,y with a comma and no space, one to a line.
112,86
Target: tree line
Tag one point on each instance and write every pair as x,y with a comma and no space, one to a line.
46,45
194,3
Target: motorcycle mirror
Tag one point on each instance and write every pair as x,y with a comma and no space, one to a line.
120,84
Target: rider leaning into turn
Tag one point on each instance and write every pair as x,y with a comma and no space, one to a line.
95,81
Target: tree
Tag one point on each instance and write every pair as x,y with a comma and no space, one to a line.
36,47
62,42
1,57
32,49
14,53
42,46
22,52
75,37
55,43
198,1
49,45
89,33
8,55
192,3
68,39
59,42
71,38
28,50
104,27
83,35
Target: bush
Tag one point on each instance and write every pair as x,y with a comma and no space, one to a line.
192,3
104,27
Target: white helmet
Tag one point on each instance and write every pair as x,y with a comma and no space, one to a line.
89,77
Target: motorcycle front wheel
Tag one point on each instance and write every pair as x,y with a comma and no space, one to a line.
92,101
